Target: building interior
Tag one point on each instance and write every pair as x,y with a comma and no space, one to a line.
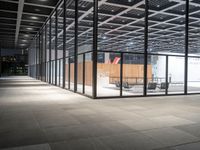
100,74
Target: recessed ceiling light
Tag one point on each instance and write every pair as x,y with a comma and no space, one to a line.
158,5
112,10
34,17
30,28
26,35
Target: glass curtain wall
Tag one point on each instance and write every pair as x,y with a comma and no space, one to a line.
60,46
166,36
139,52
84,46
120,69
70,42
53,67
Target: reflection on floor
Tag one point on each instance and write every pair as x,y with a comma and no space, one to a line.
38,116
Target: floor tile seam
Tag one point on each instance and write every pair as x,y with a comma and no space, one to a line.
182,144
22,146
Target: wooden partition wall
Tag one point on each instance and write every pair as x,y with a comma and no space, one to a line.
131,72
88,73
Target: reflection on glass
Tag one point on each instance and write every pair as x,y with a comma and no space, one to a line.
156,75
80,74
193,75
133,74
176,74
67,73
88,74
71,82
108,74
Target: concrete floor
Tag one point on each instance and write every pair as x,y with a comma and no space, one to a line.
37,116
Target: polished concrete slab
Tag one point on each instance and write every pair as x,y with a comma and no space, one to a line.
38,116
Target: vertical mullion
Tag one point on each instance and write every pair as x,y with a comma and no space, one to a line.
50,50
69,72
59,70
166,76
39,55
41,52
45,54
186,47
95,44
0,63
64,40
121,73
75,45
146,46
56,41
83,73
36,53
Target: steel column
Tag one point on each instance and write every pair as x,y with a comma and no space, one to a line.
76,46
146,46
186,46
95,45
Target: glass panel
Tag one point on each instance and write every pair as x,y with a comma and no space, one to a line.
72,73
53,71
80,74
58,71
121,26
53,48
61,72
193,75
108,74
88,74
67,73
85,26
166,27
47,71
70,32
60,45
156,74
133,74
176,74
194,32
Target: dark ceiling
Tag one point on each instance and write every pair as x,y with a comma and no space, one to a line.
20,20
